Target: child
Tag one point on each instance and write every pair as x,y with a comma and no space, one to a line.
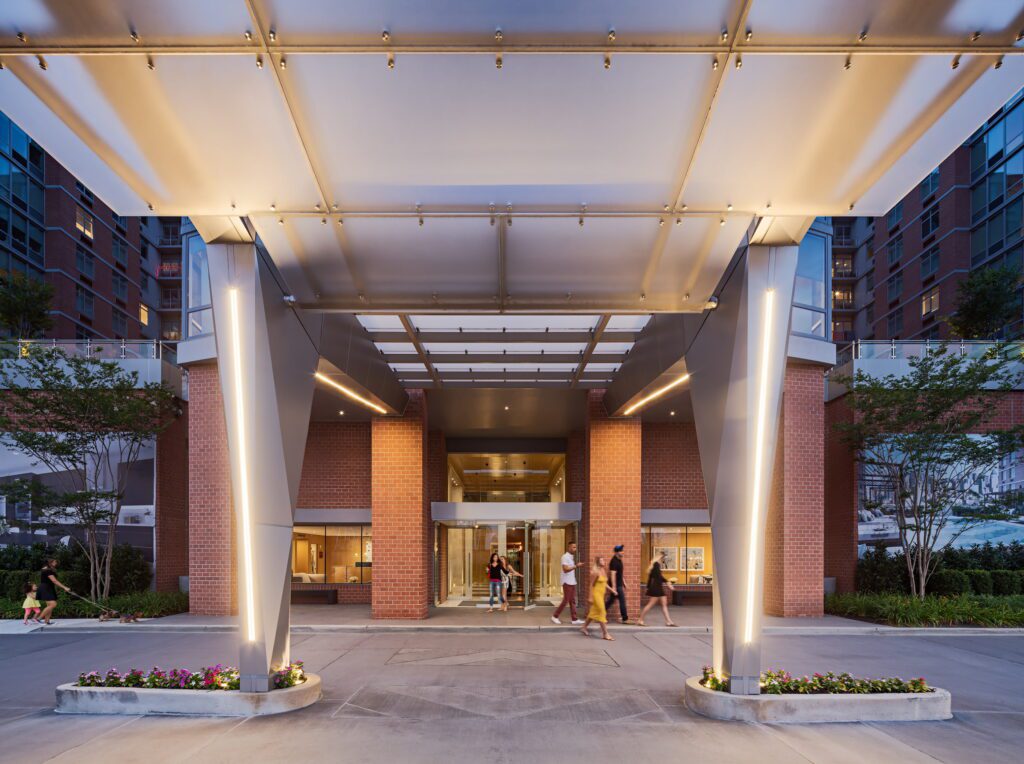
31,605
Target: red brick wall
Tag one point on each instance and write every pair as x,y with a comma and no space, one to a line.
672,478
794,530
336,467
437,490
401,518
613,482
840,501
172,487
211,532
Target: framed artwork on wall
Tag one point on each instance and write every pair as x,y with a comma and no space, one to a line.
671,556
694,556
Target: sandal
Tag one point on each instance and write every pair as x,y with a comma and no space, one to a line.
609,638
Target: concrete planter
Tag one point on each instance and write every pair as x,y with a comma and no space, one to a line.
134,701
804,709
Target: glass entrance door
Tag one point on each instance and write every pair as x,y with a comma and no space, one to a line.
547,545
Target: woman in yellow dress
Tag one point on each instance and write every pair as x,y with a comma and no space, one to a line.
597,613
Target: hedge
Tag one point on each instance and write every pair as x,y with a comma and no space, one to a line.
129,571
149,604
981,581
1007,582
904,610
948,582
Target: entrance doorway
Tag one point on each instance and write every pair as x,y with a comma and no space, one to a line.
534,549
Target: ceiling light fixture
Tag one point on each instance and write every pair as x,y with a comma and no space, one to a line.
739,61
22,37
976,36
497,61
611,36
134,36
341,221
350,393
607,61
725,35
391,60
863,35
248,35
273,207
679,221
749,35
385,35
284,63
728,207
273,35
656,394
998,64
150,63
259,62
849,62
323,221
280,221
714,64
42,63
498,35
955,63
721,221
672,413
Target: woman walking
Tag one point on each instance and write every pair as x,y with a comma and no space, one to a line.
656,584
47,591
597,612
494,573
507,572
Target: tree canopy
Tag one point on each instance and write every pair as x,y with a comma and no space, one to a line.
987,300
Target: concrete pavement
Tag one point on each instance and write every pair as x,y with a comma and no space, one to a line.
502,696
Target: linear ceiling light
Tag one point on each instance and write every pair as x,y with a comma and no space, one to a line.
759,447
350,393
656,394
243,465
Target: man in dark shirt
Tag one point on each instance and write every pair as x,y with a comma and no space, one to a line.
617,582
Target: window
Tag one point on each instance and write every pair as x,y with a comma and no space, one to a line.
894,249
930,262
979,247
143,281
84,262
895,216
894,324
120,284
84,302
869,280
842,266
1012,215
144,315
120,221
688,557
332,554
1014,127
810,322
19,232
930,184
83,222
5,222
120,324
200,322
842,299
994,142
35,200
84,193
811,287
995,233
930,221
1014,170
930,302
979,202
843,234
35,243
119,251
894,287
200,317
842,330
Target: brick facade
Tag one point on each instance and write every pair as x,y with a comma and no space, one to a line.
401,513
794,527
171,537
336,467
613,490
211,530
672,477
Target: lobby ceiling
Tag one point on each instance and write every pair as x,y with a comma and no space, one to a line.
478,156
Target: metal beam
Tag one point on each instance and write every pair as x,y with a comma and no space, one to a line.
410,332
297,49
598,331
511,376
501,358
545,305
504,337
683,174
276,66
502,267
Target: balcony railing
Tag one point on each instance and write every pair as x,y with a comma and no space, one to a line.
169,240
169,270
843,273
905,349
103,349
842,241
843,304
170,303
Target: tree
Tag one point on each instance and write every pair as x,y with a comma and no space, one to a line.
24,305
987,301
85,420
917,432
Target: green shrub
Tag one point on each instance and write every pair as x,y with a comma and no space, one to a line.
1006,582
981,581
14,583
903,610
949,582
129,571
879,571
150,604
987,556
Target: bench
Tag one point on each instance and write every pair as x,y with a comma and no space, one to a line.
314,596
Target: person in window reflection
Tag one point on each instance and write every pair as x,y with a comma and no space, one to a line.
507,574
597,613
656,595
494,578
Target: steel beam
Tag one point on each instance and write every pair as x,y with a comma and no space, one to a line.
410,333
589,352
506,358
504,337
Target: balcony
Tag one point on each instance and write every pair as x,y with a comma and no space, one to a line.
843,272
842,241
169,270
170,303
843,304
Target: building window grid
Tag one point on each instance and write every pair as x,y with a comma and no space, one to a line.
930,302
930,184
894,216
894,249
894,287
930,262
930,221
317,536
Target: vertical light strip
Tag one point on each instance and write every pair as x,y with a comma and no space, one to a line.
243,465
759,448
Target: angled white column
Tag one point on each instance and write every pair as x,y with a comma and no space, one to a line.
737,364
266,359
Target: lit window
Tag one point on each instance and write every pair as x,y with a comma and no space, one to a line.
144,315
83,222
930,302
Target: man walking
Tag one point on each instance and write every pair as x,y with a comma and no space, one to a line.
617,585
568,586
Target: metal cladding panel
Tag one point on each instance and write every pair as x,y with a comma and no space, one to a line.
349,352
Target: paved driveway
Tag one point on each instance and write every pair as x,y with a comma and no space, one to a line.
511,697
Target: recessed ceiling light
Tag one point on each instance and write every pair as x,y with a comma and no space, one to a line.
671,413
342,413
506,408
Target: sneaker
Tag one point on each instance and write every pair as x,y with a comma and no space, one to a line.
555,620
578,622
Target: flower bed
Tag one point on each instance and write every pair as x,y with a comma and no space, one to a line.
783,683
217,677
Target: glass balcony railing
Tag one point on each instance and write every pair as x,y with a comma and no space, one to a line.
906,349
169,270
103,349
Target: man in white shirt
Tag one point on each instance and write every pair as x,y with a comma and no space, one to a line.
568,586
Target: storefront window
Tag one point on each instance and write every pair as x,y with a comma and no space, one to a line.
332,554
687,552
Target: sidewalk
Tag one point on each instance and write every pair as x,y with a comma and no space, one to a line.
327,619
